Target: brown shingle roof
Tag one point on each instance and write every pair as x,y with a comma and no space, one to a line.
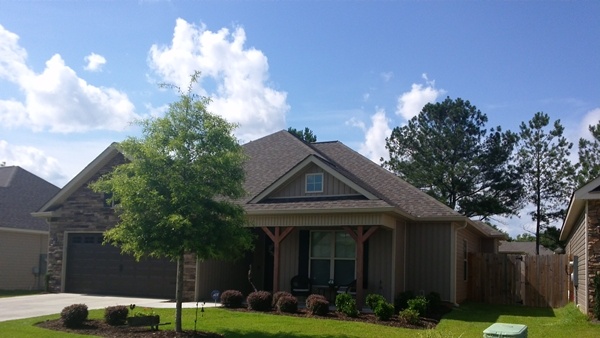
274,155
22,193
524,248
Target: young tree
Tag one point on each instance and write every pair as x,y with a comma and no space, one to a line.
589,157
175,194
547,171
305,135
447,152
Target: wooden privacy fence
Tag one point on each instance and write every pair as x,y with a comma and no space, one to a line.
539,281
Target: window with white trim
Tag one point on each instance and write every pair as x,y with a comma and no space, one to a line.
332,256
314,182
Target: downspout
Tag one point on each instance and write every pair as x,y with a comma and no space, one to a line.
453,265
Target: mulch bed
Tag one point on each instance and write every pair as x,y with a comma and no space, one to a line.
100,328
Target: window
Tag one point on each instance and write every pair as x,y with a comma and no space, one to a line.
332,256
314,182
465,262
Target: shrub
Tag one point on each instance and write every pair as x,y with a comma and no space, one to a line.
74,315
384,310
401,300
311,298
278,295
288,304
232,298
373,299
418,304
434,302
260,301
346,305
318,306
116,315
409,316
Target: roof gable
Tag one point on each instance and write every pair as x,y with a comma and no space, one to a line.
80,179
22,193
590,191
301,167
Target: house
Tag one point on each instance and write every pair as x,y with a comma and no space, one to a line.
23,238
522,248
581,231
320,210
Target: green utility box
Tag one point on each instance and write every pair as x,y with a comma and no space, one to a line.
501,330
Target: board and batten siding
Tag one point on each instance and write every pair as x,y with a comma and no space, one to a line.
473,245
220,275
288,260
19,254
297,186
380,264
577,247
399,250
428,261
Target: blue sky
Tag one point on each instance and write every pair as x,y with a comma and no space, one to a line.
73,74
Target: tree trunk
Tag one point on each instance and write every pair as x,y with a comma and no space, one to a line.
179,294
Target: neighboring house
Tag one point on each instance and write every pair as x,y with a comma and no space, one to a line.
522,248
23,238
320,210
581,231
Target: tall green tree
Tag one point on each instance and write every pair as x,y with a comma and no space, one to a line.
547,172
305,135
447,152
589,157
176,192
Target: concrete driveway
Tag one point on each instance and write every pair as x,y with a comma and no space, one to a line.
46,304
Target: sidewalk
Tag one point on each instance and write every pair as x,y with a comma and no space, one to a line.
46,304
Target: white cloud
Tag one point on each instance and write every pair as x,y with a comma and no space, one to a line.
241,94
410,103
374,145
591,118
57,99
32,159
94,62
387,76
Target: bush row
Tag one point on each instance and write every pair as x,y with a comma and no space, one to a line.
281,301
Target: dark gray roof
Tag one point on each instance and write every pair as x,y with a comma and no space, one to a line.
488,230
272,156
22,193
523,248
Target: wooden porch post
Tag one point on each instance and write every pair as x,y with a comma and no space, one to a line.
277,237
360,238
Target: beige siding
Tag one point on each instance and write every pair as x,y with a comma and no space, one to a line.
296,187
400,252
288,260
221,275
576,247
428,261
379,265
473,245
341,219
19,254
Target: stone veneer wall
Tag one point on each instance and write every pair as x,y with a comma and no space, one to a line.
593,248
84,211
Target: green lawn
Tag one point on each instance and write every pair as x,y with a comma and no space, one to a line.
467,321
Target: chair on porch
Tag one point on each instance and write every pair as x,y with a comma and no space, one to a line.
349,288
301,286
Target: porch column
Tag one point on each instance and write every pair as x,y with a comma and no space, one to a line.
277,237
360,238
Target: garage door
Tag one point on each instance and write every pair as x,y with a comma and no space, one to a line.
101,269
